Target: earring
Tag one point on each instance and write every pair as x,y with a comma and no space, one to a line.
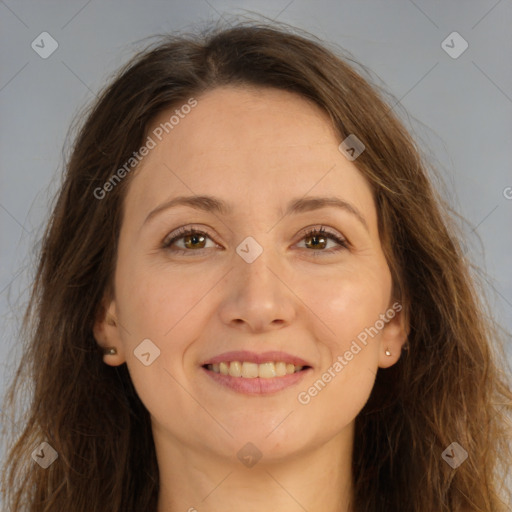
110,351
388,353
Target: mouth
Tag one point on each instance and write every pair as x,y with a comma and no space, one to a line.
250,370
252,378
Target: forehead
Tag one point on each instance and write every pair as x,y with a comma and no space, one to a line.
248,146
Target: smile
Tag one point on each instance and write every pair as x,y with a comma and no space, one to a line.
241,376
250,370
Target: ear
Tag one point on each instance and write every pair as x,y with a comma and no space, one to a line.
106,331
394,335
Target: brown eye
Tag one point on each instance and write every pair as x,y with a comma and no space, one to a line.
319,238
317,241
193,240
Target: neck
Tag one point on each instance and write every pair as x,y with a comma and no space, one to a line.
319,479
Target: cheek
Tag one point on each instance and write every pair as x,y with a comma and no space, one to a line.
350,302
166,309
336,396
156,300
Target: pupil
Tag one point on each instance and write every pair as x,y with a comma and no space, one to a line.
316,238
193,239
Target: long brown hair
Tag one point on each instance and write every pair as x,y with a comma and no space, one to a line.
448,387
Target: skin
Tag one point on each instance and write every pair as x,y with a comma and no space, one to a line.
279,147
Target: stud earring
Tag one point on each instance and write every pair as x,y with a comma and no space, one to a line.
388,353
110,351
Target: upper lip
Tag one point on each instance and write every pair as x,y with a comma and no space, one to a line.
253,357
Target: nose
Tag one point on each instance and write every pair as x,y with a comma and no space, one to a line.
257,297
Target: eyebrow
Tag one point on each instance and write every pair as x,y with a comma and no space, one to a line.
214,205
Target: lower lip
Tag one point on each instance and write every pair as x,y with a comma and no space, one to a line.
257,386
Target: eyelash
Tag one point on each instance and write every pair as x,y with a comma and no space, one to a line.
182,232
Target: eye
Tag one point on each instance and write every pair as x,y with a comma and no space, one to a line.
318,238
195,240
192,239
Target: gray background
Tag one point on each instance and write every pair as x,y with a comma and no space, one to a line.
458,109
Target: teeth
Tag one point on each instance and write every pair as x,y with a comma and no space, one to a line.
267,370
281,369
235,369
253,370
250,370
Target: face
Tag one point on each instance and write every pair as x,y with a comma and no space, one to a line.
273,271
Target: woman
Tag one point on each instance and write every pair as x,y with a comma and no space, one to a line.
245,223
